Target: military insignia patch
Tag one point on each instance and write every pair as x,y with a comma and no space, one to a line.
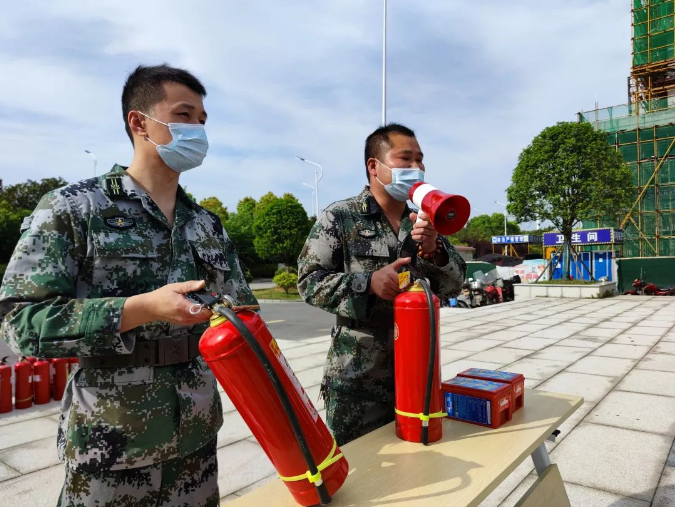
120,223
367,233
114,186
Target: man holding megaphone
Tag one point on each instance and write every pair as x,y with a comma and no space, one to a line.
349,266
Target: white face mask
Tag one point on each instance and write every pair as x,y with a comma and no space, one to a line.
187,148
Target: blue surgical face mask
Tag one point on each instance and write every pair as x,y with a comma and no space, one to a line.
188,147
402,180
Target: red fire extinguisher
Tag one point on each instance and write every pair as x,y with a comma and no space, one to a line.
23,373
60,366
5,386
41,392
247,362
417,349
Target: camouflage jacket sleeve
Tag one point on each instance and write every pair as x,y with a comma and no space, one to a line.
446,281
39,314
322,280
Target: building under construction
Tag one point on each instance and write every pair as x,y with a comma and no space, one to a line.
643,130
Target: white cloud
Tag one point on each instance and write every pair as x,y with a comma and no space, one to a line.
476,81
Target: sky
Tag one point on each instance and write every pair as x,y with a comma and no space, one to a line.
475,80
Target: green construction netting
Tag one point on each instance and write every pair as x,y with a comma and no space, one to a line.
653,34
661,271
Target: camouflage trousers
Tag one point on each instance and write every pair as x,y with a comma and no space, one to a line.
190,481
350,416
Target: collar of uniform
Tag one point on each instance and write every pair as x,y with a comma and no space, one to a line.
117,184
369,205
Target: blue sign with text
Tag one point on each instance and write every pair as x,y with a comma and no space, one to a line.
586,237
515,239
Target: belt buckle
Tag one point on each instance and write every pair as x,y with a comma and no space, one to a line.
173,350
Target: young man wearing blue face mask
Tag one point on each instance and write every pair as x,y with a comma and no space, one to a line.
348,267
100,272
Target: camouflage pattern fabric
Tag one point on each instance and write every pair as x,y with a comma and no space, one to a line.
191,481
351,239
83,251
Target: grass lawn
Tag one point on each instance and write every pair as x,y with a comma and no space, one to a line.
277,293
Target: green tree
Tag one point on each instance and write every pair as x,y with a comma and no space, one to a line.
215,206
247,205
240,229
483,227
286,281
569,172
17,202
280,227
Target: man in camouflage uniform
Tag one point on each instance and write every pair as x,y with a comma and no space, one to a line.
100,272
348,267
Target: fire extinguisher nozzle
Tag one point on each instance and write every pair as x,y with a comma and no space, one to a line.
425,435
324,497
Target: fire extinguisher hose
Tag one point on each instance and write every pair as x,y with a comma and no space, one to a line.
314,473
432,361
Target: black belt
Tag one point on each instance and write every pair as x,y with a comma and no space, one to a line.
377,321
160,352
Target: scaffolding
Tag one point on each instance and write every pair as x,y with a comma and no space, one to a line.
644,132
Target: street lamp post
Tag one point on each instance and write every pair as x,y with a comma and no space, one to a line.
501,203
318,174
312,188
95,161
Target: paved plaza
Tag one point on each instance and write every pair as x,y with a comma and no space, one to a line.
616,450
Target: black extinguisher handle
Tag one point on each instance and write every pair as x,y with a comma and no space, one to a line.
432,358
229,314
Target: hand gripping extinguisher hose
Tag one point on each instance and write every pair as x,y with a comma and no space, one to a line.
230,315
432,360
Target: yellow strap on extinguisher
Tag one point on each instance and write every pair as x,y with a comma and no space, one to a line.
330,459
420,416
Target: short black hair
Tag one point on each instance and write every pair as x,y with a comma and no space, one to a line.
379,143
144,88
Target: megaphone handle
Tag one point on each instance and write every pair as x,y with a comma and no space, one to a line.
421,215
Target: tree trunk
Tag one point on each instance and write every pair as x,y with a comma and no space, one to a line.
567,232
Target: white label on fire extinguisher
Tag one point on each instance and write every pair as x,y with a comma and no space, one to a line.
37,378
294,380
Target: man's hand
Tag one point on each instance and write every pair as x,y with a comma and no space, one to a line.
384,282
424,232
167,304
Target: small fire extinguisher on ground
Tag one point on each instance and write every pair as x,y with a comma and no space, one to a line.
5,386
60,366
41,392
23,373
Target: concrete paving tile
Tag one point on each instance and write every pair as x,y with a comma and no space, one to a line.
636,411
34,412
671,456
665,493
319,339
530,328
612,324
305,363
448,354
588,342
458,337
531,383
503,355
511,482
601,332
306,350
556,352
311,377
537,368
39,489
505,335
661,362
285,345
665,348
649,382
605,458
641,330
579,496
7,472
228,406
27,431
530,343
568,426
257,484
670,337
450,370
584,320
634,339
476,345
559,332
234,429
608,366
592,387
32,456
241,464
620,350
224,500
667,324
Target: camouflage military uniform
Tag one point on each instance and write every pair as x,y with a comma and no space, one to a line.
351,239
83,251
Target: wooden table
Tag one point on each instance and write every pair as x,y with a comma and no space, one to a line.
460,470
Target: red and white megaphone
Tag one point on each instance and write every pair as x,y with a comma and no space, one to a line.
448,213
